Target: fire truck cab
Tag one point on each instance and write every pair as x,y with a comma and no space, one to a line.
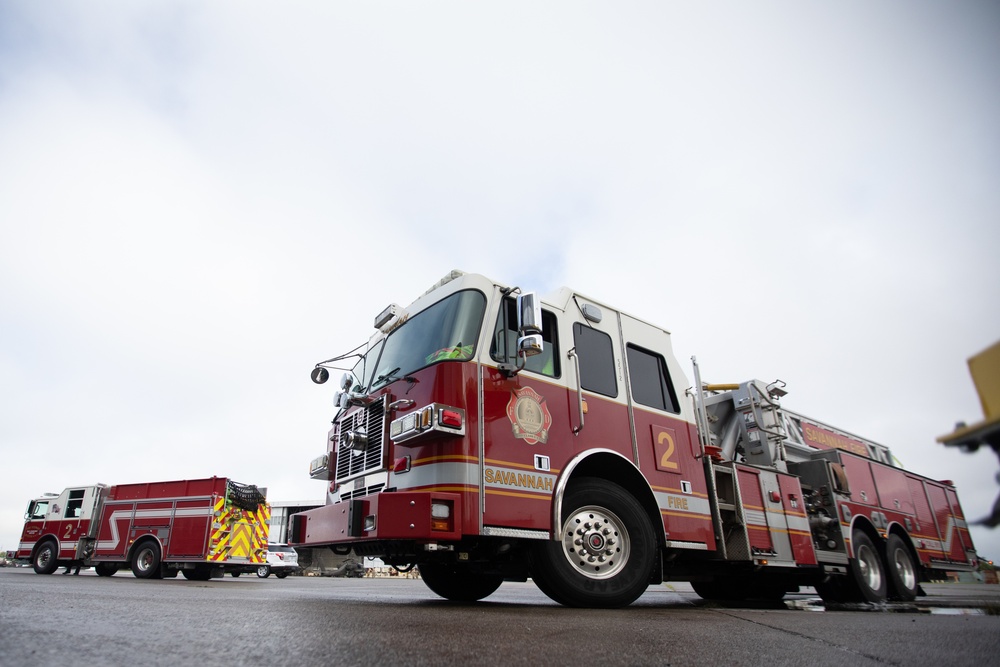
484,434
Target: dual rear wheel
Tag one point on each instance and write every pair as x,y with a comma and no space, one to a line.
872,579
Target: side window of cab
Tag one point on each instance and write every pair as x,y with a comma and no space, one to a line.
597,360
650,380
503,348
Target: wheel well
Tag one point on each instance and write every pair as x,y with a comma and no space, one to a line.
865,525
43,540
900,532
615,468
141,541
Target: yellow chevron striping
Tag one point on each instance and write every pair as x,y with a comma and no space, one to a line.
241,537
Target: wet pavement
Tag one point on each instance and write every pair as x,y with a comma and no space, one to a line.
47,620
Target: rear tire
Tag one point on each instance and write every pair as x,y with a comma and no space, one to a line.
197,574
46,558
281,575
146,561
902,572
867,569
836,590
716,590
105,569
736,590
607,556
458,582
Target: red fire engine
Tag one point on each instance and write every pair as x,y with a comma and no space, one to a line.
202,528
484,435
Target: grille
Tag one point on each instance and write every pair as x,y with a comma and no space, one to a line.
370,420
364,491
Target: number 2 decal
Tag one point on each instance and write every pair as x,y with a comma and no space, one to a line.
69,531
664,447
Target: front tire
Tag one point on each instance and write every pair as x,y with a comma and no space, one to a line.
607,556
902,572
46,560
458,582
263,571
146,561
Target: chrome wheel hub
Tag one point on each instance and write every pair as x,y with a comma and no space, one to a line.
595,543
904,568
871,569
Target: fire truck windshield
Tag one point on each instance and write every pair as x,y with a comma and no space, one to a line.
447,331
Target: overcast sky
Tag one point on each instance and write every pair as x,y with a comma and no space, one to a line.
200,200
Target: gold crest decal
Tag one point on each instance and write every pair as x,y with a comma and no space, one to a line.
529,416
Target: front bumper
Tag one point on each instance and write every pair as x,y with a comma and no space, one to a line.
408,515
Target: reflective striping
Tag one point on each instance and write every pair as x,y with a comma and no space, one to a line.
954,525
798,524
513,494
468,488
239,534
755,517
667,489
686,515
241,540
683,505
163,513
450,472
449,458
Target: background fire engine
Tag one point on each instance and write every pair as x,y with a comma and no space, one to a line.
202,528
484,435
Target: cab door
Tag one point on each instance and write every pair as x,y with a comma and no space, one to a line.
569,399
524,422
667,450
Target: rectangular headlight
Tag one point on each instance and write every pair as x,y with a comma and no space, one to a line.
440,510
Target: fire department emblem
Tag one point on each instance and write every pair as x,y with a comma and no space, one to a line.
529,417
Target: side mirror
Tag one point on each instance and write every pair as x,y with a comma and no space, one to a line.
529,329
529,314
529,346
529,325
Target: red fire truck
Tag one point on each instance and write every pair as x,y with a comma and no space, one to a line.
484,435
201,527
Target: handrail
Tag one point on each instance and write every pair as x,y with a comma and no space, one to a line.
579,388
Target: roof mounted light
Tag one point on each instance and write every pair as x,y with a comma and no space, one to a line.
390,313
591,313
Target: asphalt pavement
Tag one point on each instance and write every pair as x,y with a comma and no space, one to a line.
96,621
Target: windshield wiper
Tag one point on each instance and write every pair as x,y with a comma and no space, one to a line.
385,377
